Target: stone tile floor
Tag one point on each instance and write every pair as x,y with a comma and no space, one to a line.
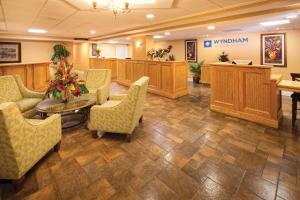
181,151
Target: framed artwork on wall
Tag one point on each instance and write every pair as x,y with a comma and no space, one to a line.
10,52
94,49
273,49
191,50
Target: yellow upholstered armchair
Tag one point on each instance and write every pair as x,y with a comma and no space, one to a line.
98,82
12,89
121,114
23,142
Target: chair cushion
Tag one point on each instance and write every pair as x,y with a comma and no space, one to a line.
27,103
9,89
110,103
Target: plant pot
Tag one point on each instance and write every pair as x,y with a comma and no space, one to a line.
196,79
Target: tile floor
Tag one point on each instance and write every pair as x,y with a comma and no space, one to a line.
182,150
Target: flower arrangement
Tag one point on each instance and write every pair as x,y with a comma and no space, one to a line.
273,46
161,54
65,85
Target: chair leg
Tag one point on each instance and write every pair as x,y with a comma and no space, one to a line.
18,183
128,137
94,134
294,111
56,148
141,119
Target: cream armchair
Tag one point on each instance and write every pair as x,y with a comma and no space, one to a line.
121,114
12,89
98,82
23,142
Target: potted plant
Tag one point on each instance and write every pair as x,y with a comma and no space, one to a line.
195,68
59,51
223,57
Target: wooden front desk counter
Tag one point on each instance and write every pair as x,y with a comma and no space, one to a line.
246,92
168,79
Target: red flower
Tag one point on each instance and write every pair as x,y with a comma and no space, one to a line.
77,92
59,87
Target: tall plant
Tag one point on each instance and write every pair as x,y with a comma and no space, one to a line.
59,52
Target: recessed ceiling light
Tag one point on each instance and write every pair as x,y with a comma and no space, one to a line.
92,32
273,23
158,36
211,27
167,33
37,31
128,38
291,16
150,16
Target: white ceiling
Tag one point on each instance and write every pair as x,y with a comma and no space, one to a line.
75,18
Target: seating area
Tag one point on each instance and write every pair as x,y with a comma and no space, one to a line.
149,99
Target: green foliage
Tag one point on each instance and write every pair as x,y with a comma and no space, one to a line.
59,51
223,57
195,68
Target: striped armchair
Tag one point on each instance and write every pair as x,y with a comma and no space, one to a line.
23,142
121,114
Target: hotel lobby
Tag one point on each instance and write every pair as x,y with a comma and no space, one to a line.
149,99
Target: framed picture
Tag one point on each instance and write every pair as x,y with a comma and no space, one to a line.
94,49
273,49
191,50
10,52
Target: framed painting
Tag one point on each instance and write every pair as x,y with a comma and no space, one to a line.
94,49
10,52
191,50
273,49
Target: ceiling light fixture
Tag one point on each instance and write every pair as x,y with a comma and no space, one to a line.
128,38
167,33
158,36
92,32
211,27
37,31
274,23
116,6
150,16
291,16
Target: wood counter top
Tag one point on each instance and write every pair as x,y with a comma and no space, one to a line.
17,64
238,65
134,60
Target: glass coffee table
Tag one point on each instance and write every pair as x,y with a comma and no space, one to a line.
74,113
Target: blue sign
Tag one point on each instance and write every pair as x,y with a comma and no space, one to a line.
207,43
225,42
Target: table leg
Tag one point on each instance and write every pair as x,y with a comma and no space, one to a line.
294,111
43,115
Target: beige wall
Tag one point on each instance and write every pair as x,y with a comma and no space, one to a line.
177,50
141,52
39,51
110,50
251,50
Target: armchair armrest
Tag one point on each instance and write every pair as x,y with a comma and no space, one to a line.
26,92
102,93
117,97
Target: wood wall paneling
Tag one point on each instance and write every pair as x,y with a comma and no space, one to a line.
167,83
167,79
35,76
138,70
153,71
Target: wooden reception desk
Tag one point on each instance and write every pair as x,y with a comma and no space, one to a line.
246,92
169,79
